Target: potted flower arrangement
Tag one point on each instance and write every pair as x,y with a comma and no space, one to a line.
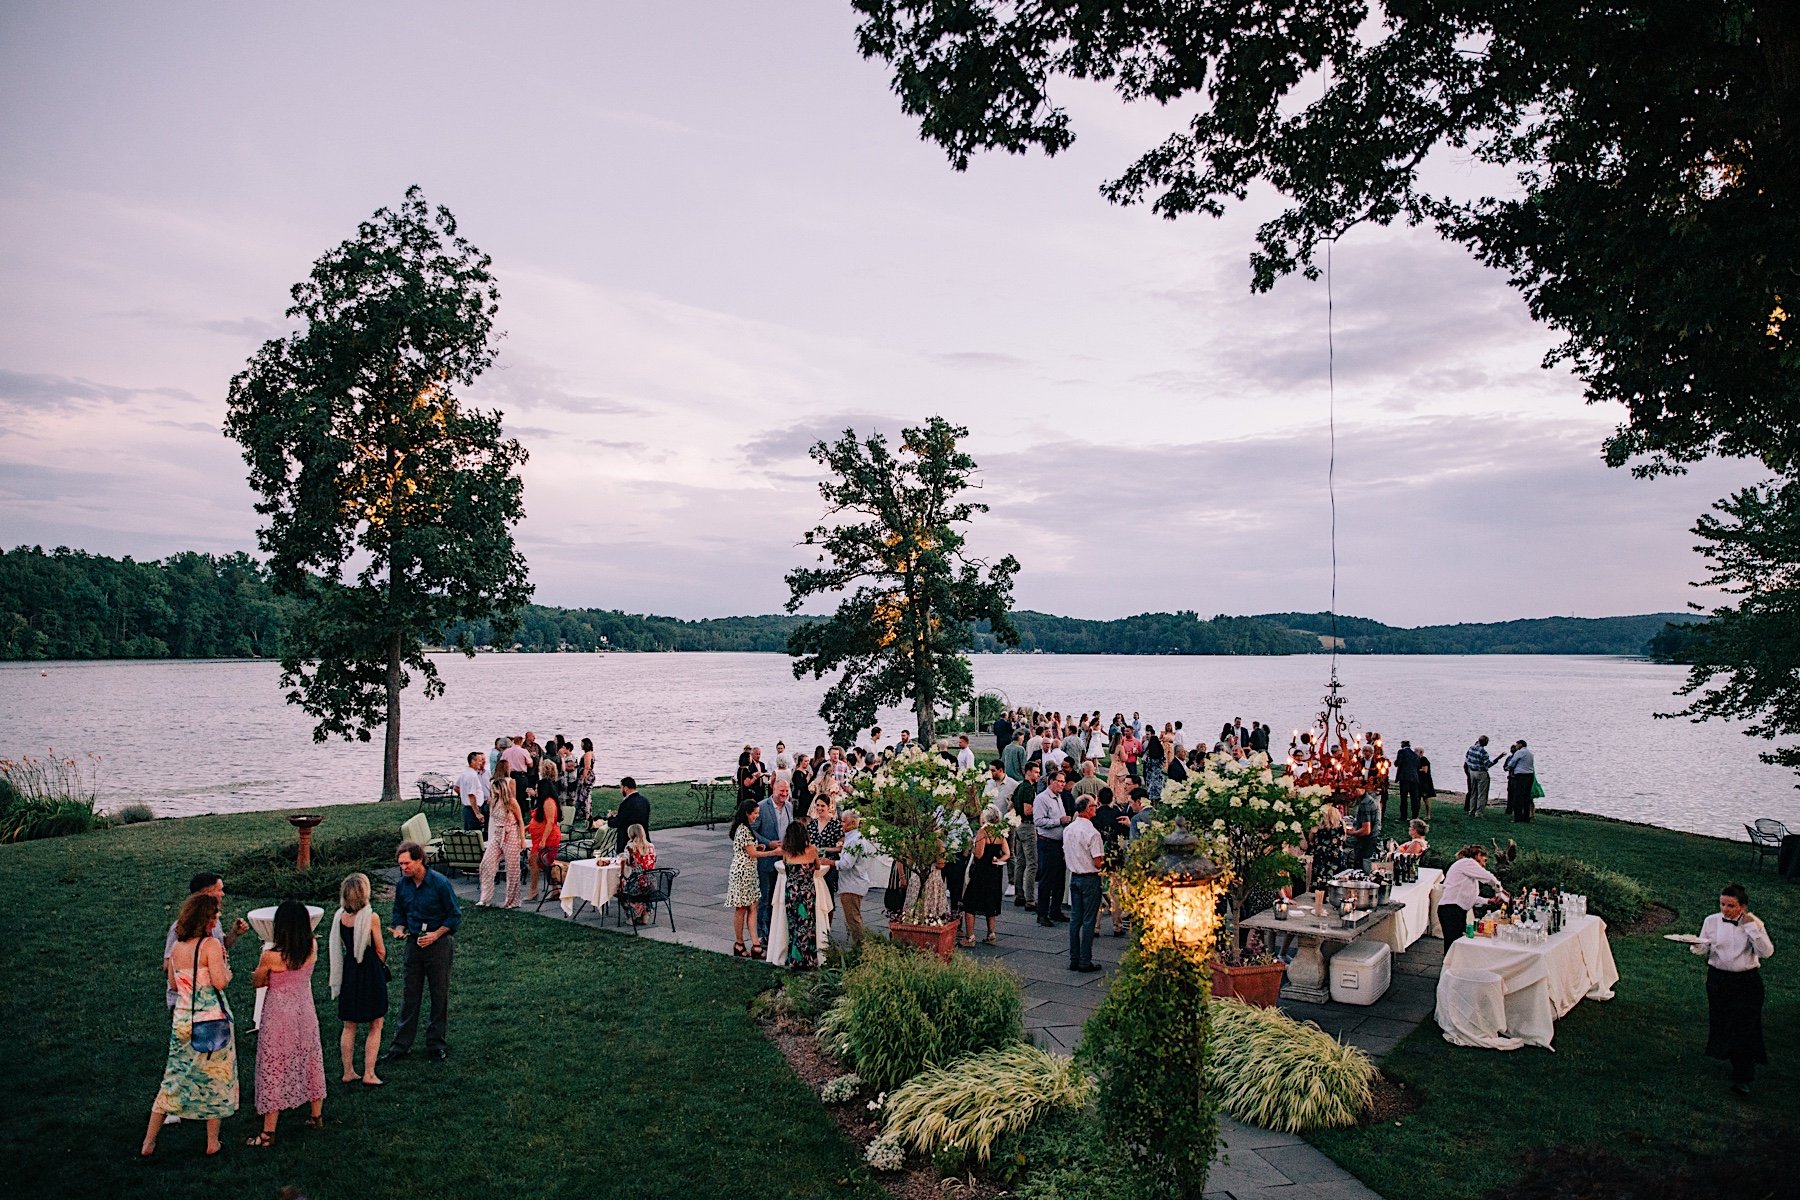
919,810
1254,818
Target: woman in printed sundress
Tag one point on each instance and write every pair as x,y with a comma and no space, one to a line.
741,893
801,899
196,1086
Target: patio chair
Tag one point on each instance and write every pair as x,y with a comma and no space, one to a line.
436,790
661,882
417,828
1765,837
463,849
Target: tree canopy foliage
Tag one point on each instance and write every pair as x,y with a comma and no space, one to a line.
894,532
1653,145
1746,659
71,604
390,506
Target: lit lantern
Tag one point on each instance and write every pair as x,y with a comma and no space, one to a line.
1184,892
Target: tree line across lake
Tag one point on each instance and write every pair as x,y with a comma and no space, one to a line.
70,604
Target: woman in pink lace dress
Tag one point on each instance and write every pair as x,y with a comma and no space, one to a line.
290,1062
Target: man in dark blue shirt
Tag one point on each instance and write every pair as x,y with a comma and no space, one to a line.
426,916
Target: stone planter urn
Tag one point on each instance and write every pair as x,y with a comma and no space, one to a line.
1260,986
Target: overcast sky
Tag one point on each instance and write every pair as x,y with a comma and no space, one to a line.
717,240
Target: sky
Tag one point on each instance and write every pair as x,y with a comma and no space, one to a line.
717,240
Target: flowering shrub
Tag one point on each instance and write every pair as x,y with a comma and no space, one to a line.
886,1153
920,810
840,1090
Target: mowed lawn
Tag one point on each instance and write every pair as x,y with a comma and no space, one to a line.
1628,1075
582,1064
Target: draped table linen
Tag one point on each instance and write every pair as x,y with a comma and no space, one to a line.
1540,983
591,879
1418,915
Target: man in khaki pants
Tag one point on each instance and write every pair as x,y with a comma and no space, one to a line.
853,874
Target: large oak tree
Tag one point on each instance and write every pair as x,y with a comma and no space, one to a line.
390,506
894,532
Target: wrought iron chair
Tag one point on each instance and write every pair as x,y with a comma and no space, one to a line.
436,790
649,888
1765,837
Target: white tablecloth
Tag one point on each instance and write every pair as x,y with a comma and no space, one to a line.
590,879
1540,983
1420,914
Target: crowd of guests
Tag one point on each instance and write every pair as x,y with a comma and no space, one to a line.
200,1072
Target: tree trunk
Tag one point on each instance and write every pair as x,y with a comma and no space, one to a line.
390,758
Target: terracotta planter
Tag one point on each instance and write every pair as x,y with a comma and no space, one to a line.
1260,986
935,939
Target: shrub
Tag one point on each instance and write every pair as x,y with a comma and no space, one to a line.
841,1090
1278,1073
1063,1157
27,820
961,1110
1147,1044
1614,898
135,814
268,871
910,1011
885,1154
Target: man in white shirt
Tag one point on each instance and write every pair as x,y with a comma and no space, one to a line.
784,762
853,873
472,789
1084,850
965,757
1735,942
1054,757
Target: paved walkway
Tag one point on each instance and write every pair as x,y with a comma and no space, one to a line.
1258,1164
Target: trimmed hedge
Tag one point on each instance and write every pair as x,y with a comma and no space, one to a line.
1614,898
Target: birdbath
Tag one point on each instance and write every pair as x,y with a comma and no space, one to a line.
304,822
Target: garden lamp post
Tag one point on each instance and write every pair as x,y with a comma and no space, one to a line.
1184,894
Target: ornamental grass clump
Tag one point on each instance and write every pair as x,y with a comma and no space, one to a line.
49,797
1278,1073
962,1109
909,1011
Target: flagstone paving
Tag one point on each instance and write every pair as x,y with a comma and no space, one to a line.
1257,1164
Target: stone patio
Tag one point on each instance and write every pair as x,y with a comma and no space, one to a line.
1257,1164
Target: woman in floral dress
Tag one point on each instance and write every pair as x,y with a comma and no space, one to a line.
640,857
801,899
741,893
196,1086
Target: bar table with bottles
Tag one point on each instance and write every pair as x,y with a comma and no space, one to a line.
1518,971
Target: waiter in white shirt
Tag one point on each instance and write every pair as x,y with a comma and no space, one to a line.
965,757
1735,942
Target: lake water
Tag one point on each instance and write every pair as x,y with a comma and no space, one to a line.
193,737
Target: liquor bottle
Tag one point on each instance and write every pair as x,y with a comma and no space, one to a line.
1469,924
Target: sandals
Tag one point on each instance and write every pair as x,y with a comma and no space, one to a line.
317,1122
992,939
261,1141
758,950
738,951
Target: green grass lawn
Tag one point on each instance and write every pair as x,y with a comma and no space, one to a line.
1628,1075
582,1064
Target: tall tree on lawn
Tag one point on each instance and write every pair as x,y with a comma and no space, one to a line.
390,506
894,531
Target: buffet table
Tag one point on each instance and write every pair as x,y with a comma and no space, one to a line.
1418,903
1500,995
262,920
1306,976
590,880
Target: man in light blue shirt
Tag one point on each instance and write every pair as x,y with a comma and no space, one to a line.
1050,818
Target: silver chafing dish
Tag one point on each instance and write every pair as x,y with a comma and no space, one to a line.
1360,890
